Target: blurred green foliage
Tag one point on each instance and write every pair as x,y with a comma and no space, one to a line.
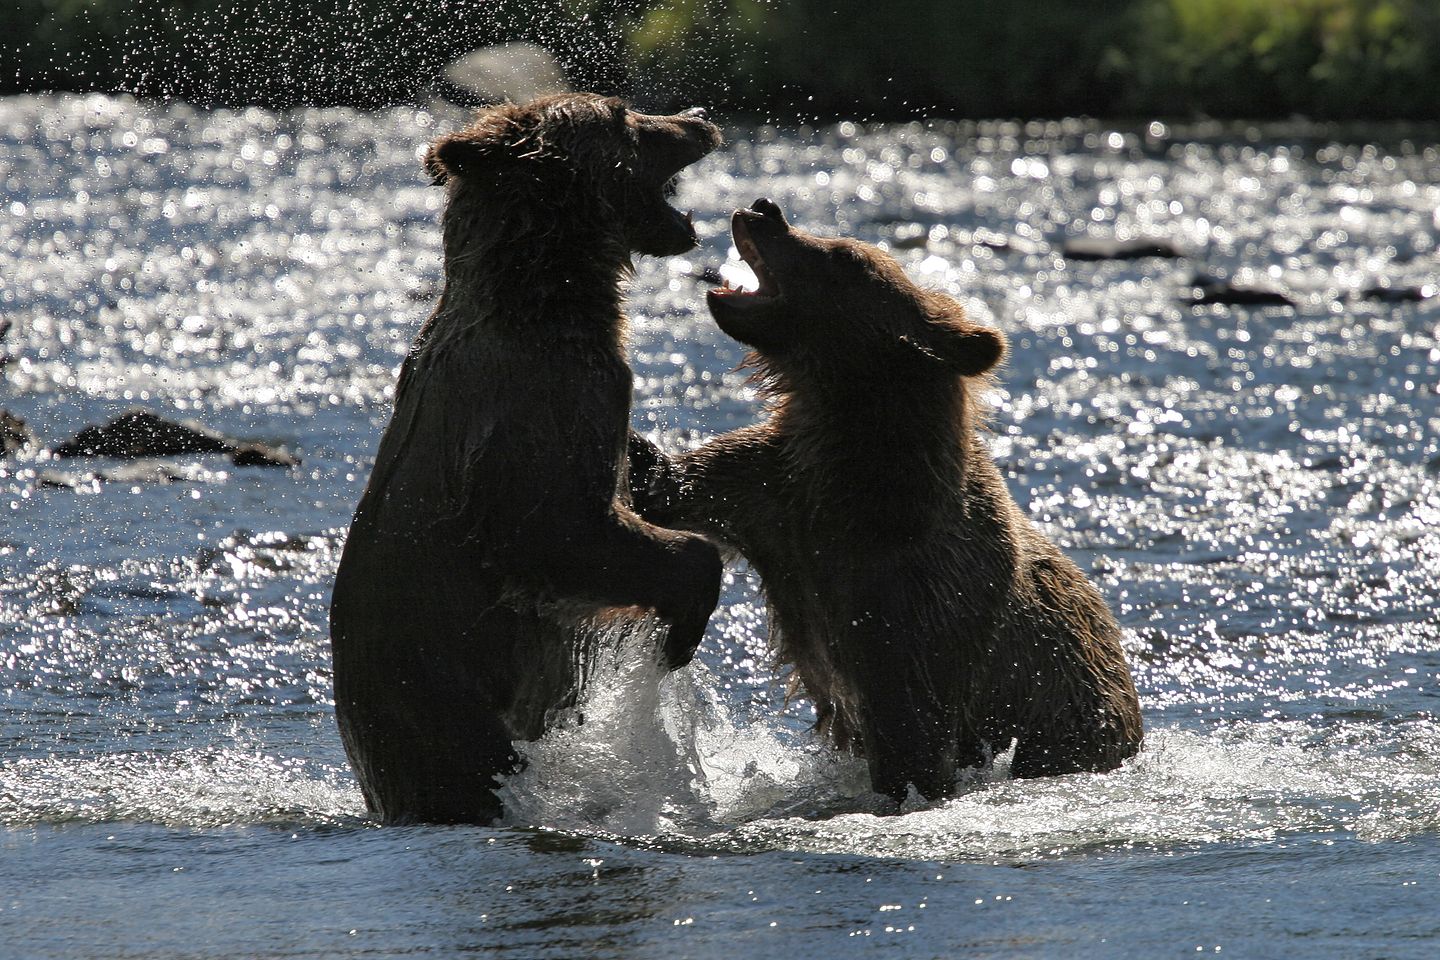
962,57
1370,59
1345,59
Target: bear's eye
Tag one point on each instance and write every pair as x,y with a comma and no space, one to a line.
847,257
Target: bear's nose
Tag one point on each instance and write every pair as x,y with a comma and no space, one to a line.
768,209
696,113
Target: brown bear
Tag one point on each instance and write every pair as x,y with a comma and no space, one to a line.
924,614
495,529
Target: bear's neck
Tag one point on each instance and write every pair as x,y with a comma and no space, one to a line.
533,270
919,441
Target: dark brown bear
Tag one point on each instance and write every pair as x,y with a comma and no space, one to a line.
491,534
929,620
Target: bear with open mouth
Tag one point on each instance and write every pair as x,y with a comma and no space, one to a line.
929,620
495,530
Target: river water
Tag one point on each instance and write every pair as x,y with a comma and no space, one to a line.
1256,490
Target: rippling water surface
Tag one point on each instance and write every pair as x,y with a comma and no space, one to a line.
1255,489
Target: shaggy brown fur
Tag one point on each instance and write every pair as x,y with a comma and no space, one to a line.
492,531
929,620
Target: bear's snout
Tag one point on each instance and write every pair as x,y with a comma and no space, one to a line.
770,210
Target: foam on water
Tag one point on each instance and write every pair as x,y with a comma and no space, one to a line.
188,788
647,755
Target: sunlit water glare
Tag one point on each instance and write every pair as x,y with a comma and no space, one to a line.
1256,491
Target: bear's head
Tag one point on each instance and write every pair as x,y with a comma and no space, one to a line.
579,159
839,309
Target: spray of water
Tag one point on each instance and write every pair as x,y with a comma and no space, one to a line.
650,754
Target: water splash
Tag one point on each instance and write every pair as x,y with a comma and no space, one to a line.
662,761
652,754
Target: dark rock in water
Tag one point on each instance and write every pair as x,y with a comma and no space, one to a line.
55,480
263,455
917,236
914,237
994,240
15,434
1385,293
710,275
1105,248
1208,290
991,239
140,433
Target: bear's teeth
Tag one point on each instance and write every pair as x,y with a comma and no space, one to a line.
737,276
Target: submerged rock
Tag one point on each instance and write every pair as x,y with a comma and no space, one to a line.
263,455
1208,290
55,480
1108,248
135,473
914,237
1000,242
15,434
139,472
143,471
1385,293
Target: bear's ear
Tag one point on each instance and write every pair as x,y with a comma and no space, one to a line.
466,151
454,156
970,351
950,338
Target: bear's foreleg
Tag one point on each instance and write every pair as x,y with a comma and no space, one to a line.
624,561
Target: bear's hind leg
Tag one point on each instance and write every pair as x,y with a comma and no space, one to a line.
1055,753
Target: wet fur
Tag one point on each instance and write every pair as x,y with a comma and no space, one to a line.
922,611
493,531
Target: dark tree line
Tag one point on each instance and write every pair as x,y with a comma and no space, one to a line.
1326,59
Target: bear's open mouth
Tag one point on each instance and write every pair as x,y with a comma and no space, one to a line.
679,223
683,219
768,289
666,147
